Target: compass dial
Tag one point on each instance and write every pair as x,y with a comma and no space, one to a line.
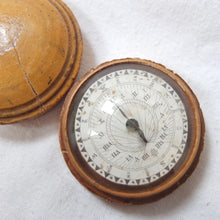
130,125
116,151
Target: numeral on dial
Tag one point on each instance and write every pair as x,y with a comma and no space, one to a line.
146,97
115,153
107,146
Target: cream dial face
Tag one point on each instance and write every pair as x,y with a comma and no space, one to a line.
130,127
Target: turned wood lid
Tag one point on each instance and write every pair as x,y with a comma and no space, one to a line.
40,53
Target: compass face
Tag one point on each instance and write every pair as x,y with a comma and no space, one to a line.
118,152
130,129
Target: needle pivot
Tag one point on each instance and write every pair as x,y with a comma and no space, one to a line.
133,124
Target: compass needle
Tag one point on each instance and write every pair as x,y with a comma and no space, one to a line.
122,112
133,125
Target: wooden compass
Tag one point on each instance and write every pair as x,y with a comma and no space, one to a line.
131,131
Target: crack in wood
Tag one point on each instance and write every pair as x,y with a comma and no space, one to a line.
27,79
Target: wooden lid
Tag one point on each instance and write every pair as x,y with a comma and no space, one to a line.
40,53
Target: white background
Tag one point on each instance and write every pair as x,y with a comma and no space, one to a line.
35,182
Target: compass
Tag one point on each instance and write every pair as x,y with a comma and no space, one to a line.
131,131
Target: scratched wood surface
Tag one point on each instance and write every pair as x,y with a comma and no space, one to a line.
40,53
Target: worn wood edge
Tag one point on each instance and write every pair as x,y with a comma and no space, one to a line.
69,80
92,186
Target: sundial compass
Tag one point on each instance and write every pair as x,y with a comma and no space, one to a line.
131,131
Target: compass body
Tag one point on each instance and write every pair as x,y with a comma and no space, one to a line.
131,131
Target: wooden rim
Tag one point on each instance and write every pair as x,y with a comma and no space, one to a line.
155,193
